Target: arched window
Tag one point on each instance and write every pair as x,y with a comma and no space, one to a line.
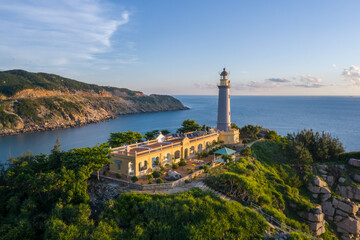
199,148
177,154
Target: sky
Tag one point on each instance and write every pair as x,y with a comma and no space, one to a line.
279,47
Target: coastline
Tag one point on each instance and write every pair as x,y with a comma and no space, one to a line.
45,127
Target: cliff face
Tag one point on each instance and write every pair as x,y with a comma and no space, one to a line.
32,102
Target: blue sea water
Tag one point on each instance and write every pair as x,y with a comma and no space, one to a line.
339,116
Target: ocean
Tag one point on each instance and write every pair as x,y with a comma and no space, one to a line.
339,116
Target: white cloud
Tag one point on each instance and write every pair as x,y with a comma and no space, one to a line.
57,33
352,75
308,81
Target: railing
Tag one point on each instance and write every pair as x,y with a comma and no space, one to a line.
274,221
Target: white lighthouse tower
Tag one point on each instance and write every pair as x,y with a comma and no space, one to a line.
227,134
223,120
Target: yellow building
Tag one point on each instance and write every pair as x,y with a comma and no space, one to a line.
141,158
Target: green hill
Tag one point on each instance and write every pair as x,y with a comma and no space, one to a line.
39,101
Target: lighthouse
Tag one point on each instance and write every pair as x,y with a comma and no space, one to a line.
227,134
223,120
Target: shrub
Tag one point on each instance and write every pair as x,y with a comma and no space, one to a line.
134,179
156,174
159,181
175,166
206,168
246,152
118,175
187,181
106,173
149,177
162,168
182,162
166,165
150,181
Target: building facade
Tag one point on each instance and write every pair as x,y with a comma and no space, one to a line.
142,158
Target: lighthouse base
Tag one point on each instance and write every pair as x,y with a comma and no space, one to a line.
230,137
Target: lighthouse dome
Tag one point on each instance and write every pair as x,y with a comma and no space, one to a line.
224,73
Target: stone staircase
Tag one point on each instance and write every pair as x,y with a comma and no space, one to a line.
204,187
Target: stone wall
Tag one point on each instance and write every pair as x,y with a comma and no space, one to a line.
147,187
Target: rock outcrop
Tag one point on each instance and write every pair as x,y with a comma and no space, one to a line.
344,210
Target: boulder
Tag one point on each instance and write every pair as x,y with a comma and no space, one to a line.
328,208
338,218
314,226
350,225
354,162
318,182
330,180
313,189
335,202
325,190
341,213
355,177
322,171
348,207
320,231
325,197
341,180
312,217
173,175
315,195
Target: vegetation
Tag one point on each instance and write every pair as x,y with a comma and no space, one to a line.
190,215
165,132
182,162
40,195
159,181
151,135
14,81
156,174
307,146
120,138
189,126
7,120
250,133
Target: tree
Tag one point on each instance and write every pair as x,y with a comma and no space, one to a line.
189,126
119,138
205,128
246,151
57,146
234,126
165,132
250,132
151,135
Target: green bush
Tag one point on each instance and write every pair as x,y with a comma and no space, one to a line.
106,173
187,181
156,174
344,157
134,179
118,175
175,166
159,180
182,162
150,176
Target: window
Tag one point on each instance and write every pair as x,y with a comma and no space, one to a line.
118,164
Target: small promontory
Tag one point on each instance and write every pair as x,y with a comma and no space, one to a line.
31,102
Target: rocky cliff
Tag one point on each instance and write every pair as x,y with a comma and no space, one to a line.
336,188
32,102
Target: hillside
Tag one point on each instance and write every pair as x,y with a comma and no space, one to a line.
39,101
